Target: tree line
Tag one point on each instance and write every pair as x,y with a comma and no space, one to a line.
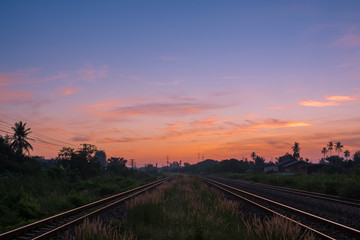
81,162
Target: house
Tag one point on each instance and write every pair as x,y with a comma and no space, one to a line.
295,167
282,165
271,169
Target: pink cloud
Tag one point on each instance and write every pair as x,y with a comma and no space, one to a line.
275,108
7,96
105,104
91,74
157,109
173,83
68,91
349,40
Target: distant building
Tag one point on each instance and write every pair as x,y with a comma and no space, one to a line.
175,164
295,167
100,156
271,169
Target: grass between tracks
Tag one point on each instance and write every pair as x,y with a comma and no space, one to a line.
25,199
187,209
343,185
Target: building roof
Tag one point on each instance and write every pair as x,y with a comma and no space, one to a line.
293,163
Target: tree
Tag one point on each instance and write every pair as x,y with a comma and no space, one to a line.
20,137
259,162
116,165
296,150
324,151
330,147
285,158
338,147
357,158
253,155
346,154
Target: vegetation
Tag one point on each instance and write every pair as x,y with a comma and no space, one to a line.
32,189
188,209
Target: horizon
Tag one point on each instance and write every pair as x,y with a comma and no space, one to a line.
145,81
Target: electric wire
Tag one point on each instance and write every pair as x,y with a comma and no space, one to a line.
41,137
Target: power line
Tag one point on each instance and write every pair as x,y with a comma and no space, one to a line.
40,135
36,139
43,145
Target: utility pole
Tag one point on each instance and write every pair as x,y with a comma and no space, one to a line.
198,154
132,163
167,160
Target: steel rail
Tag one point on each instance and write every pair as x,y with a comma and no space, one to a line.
341,226
24,229
307,193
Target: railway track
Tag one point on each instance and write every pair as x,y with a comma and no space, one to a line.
331,198
50,226
320,226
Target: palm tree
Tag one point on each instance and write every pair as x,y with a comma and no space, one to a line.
347,154
338,147
296,150
330,147
324,151
19,139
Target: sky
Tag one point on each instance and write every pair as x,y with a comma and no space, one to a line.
148,79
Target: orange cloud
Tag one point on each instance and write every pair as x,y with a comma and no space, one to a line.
332,100
68,91
312,103
339,98
275,123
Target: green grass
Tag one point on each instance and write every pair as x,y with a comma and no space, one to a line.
187,209
25,199
343,185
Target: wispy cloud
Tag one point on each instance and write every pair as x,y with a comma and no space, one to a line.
340,98
333,100
173,83
26,76
275,123
313,103
275,108
210,128
349,40
7,96
157,109
92,74
35,76
68,91
104,104
228,77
